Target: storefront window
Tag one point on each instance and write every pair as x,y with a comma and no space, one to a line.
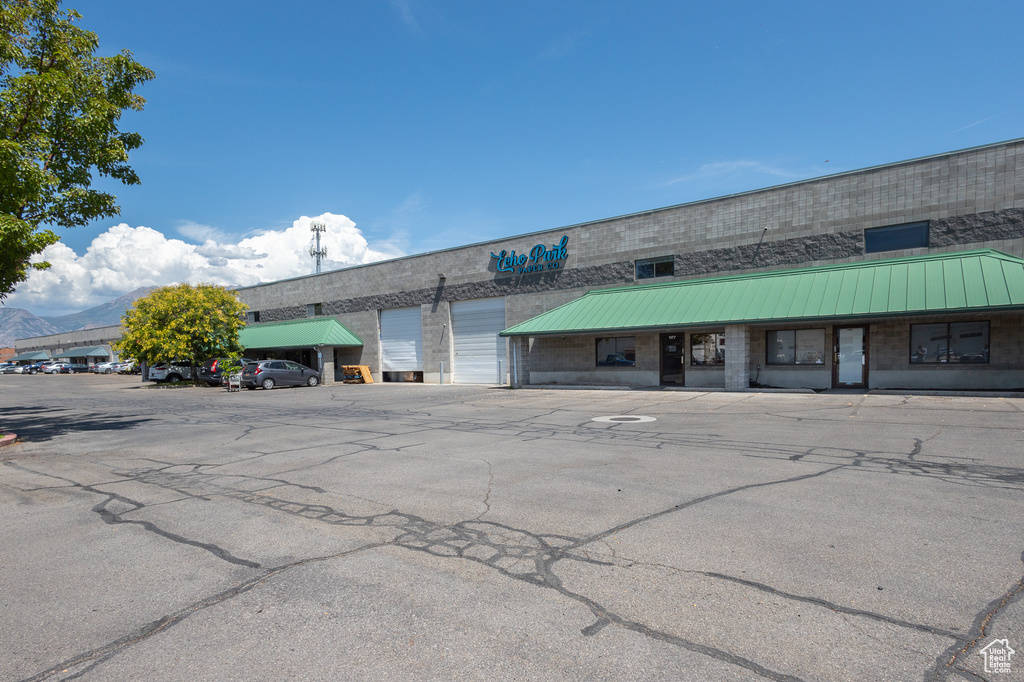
707,349
796,347
949,342
617,351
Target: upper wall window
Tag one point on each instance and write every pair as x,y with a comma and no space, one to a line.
896,237
252,316
618,351
665,266
949,342
314,309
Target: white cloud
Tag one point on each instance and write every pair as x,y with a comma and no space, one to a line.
124,258
404,9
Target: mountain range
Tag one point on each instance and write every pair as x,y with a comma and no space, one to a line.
18,323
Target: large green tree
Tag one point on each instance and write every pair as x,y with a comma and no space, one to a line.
183,322
60,105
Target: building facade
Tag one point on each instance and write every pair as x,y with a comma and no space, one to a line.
436,317
905,276
87,346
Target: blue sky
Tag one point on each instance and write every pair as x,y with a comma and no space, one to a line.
415,125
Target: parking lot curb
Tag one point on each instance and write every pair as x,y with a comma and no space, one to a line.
7,438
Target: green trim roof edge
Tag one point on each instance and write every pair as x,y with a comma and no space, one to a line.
525,328
29,355
333,333
85,352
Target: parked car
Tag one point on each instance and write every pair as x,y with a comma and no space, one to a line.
73,368
54,367
128,367
215,371
34,368
12,369
103,367
170,372
271,373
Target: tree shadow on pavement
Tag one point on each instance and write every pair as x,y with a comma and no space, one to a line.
40,423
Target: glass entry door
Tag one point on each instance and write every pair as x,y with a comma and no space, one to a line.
850,368
672,359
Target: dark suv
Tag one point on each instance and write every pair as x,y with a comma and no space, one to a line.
215,371
271,373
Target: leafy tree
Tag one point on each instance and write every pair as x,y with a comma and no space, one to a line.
183,322
59,111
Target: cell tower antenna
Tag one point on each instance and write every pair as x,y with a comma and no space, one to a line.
316,251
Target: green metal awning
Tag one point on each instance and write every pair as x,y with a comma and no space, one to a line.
968,281
321,331
31,355
86,352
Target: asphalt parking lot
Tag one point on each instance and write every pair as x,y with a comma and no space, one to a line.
472,533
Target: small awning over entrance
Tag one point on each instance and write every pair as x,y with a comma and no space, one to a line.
30,356
321,331
968,281
86,352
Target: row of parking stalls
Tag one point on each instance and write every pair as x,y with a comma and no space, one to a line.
479,351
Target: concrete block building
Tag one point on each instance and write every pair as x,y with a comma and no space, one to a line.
908,275
87,346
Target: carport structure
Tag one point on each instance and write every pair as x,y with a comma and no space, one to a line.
310,342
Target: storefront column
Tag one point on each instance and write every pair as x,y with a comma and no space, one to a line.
327,371
737,357
519,372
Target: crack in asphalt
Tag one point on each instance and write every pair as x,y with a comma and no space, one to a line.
699,500
523,555
832,606
947,661
515,553
115,518
99,655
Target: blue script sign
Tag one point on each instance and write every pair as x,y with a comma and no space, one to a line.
540,258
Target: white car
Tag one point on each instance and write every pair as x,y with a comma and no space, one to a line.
104,368
171,372
54,367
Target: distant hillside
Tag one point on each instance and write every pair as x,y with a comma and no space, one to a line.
16,323
103,315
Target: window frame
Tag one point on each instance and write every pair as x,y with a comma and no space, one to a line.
719,344
314,309
628,343
654,263
947,362
910,232
796,351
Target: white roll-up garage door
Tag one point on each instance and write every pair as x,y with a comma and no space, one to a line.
401,340
478,348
